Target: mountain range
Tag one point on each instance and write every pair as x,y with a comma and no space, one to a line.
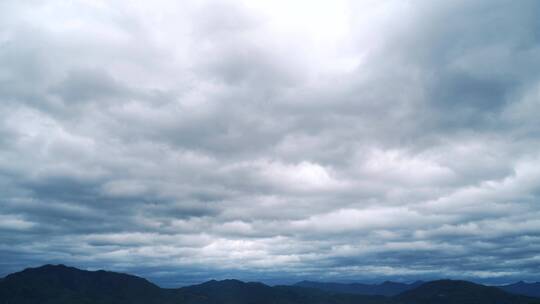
59,284
386,288
528,289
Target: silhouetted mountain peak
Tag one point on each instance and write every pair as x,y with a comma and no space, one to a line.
446,283
50,268
55,266
457,291
523,288
228,286
69,284
228,283
60,272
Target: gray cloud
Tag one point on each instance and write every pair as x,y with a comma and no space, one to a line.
352,141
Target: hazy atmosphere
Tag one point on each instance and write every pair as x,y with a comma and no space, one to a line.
272,140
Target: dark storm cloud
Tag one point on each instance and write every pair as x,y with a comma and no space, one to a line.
352,141
469,65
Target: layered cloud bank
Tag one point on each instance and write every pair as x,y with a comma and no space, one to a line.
344,140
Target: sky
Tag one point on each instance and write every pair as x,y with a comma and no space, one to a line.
273,141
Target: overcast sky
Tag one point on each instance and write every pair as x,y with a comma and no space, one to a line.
272,140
